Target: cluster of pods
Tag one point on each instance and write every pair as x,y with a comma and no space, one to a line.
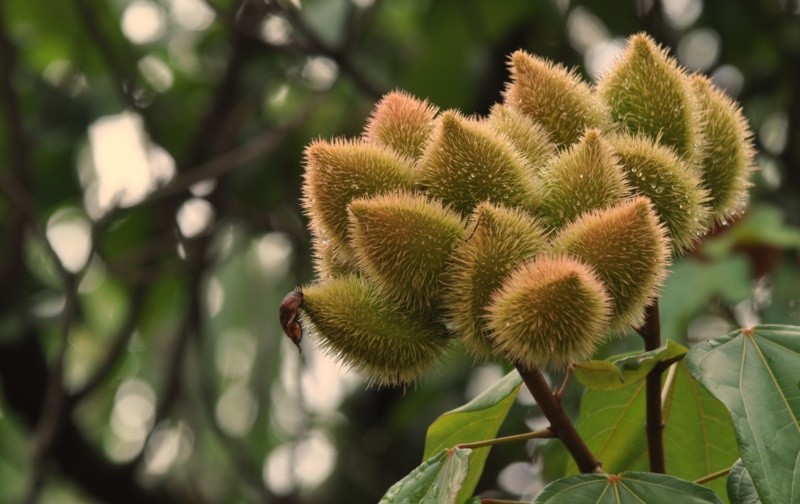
531,234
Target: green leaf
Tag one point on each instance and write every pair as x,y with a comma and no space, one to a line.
438,480
740,485
756,374
478,420
614,374
698,437
631,487
612,424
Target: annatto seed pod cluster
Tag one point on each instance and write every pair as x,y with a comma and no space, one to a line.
532,234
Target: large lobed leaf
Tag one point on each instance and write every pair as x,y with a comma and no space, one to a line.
698,437
755,372
625,488
477,420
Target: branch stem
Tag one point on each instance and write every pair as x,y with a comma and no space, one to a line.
560,423
713,476
654,423
540,434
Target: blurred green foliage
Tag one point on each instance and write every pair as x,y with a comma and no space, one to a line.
146,364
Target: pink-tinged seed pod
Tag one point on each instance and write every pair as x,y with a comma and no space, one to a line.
401,122
354,322
554,97
499,240
402,242
528,138
549,313
629,250
649,94
467,163
727,156
585,177
337,172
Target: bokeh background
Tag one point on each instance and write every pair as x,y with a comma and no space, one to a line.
150,167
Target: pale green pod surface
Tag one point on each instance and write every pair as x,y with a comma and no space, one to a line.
675,189
628,248
402,242
331,261
550,312
530,139
401,122
499,240
727,158
338,172
554,97
585,177
360,327
466,163
648,93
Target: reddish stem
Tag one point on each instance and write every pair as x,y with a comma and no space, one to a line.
559,421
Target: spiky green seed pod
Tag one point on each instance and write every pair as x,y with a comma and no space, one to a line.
500,239
550,312
554,97
466,163
727,157
628,248
648,93
585,177
402,242
529,138
674,188
330,261
401,122
360,327
338,172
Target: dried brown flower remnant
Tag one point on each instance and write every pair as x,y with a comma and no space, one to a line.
288,314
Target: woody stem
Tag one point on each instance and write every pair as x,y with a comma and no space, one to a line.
560,423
